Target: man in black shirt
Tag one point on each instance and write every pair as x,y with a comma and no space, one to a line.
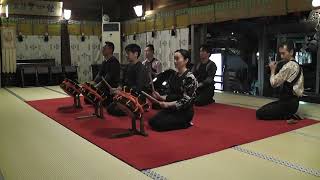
136,76
205,72
110,68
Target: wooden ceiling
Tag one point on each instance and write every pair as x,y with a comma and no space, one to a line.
92,9
119,10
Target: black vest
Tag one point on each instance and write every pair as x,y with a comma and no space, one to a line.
201,72
286,89
150,68
176,87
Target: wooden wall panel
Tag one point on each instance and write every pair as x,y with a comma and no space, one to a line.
74,29
300,5
54,29
133,27
97,30
232,9
87,29
259,8
25,29
40,29
169,19
150,23
141,26
159,22
123,28
202,14
182,18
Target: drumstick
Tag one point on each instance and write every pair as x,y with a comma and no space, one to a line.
151,81
110,88
150,97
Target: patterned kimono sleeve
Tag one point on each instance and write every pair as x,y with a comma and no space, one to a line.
190,85
286,72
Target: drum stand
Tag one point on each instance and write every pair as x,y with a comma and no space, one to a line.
76,103
98,112
133,131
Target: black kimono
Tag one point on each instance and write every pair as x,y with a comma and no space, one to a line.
205,74
110,70
182,89
290,79
136,77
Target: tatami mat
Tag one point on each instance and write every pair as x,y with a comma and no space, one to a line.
34,148
230,165
292,147
55,88
312,131
35,93
309,110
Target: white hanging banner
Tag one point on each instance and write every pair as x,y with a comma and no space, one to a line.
8,42
38,8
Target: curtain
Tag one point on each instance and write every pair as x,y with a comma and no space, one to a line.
34,47
140,39
163,42
84,54
9,58
165,45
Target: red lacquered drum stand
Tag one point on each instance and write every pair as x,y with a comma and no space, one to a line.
133,131
73,90
92,94
98,112
76,103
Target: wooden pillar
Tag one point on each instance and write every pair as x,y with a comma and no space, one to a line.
198,37
262,59
0,60
203,34
193,43
65,44
318,71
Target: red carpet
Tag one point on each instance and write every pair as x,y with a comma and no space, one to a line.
216,127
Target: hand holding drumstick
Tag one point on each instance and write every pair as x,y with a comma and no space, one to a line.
111,89
155,100
156,97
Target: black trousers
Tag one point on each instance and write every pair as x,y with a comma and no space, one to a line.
204,96
282,109
167,120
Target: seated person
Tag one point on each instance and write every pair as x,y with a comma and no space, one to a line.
152,64
136,76
110,70
177,106
205,72
290,78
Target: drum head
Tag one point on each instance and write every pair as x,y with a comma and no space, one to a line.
161,84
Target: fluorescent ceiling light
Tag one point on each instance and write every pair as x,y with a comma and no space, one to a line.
138,10
67,14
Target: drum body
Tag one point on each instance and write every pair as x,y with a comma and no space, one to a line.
161,82
92,94
133,101
70,87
